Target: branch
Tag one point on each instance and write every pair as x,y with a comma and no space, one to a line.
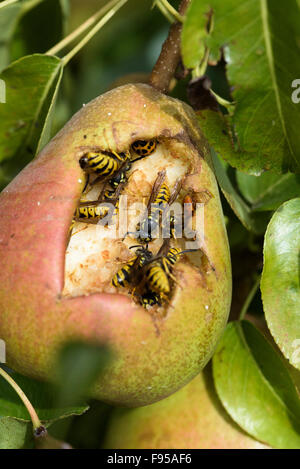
169,58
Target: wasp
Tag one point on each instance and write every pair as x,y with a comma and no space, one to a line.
144,147
108,165
92,214
128,273
160,268
150,299
120,176
93,211
160,197
103,163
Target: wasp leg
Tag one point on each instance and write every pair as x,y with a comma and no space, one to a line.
87,203
165,298
91,221
86,183
169,273
174,279
76,232
133,292
134,233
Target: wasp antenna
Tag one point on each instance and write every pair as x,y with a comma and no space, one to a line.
139,158
128,233
188,250
86,183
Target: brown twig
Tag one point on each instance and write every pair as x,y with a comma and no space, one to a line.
169,58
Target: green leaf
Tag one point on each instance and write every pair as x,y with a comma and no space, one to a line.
268,191
15,425
194,33
265,192
260,39
78,367
31,88
41,395
255,387
15,434
10,15
254,222
280,284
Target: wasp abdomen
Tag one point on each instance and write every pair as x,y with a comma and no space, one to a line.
102,163
157,279
150,299
163,195
122,277
173,255
144,147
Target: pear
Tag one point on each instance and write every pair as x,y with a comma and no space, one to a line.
56,287
191,418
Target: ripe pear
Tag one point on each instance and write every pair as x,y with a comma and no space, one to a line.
191,418
55,288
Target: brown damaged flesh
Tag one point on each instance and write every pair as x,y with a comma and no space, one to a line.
93,257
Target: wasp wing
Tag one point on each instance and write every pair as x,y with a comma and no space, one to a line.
156,187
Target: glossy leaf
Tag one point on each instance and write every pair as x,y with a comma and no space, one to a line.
255,387
265,192
26,116
268,191
280,284
260,39
254,222
194,34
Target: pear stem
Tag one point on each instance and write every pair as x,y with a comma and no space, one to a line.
93,31
7,2
81,29
249,298
169,58
170,12
33,415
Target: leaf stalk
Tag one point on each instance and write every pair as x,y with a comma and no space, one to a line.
82,28
33,415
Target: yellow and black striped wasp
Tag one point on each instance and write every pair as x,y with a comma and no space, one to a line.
129,272
158,270
108,165
93,211
150,299
90,213
144,147
103,163
160,198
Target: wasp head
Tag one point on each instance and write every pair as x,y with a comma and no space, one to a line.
83,161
